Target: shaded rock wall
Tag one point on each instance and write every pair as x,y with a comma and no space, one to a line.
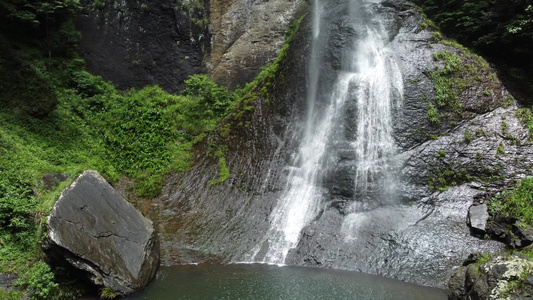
134,43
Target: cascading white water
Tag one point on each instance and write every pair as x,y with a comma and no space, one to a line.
380,92
372,79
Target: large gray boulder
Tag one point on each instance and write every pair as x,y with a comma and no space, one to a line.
95,230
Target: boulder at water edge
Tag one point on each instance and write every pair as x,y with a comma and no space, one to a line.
502,276
95,230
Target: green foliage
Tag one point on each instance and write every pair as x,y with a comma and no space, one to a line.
457,72
441,154
468,136
224,172
204,103
86,123
10,294
108,293
35,38
17,204
500,150
260,85
99,4
526,117
504,127
196,11
40,280
448,82
517,203
442,178
17,227
500,29
432,115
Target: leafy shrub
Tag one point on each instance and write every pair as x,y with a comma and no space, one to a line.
517,203
17,204
39,279
107,293
432,115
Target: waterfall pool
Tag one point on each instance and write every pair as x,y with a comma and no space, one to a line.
260,281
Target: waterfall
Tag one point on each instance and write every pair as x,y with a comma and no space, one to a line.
368,76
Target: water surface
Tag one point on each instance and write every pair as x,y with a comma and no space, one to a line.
257,281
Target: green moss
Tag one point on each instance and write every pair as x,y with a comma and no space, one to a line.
442,178
500,150
437,36
467,136
457,72
108,293
447,81
508,100
525,115
504,127
482,259
441,154
432,115
481,132
478,155
223,173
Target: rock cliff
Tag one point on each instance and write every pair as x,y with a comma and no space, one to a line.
246,35
450,151
134,43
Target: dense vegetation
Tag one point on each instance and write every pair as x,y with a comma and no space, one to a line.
57,118
502,30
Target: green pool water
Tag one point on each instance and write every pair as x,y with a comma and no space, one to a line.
255,281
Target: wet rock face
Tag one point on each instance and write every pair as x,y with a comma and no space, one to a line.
191,214
422,234
96,231
246,35
134,44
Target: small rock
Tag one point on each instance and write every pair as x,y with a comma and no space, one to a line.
7,280
51,180
478,216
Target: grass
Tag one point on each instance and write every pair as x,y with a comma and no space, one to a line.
517,202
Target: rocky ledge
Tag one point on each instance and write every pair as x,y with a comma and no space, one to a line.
502,276
93,229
